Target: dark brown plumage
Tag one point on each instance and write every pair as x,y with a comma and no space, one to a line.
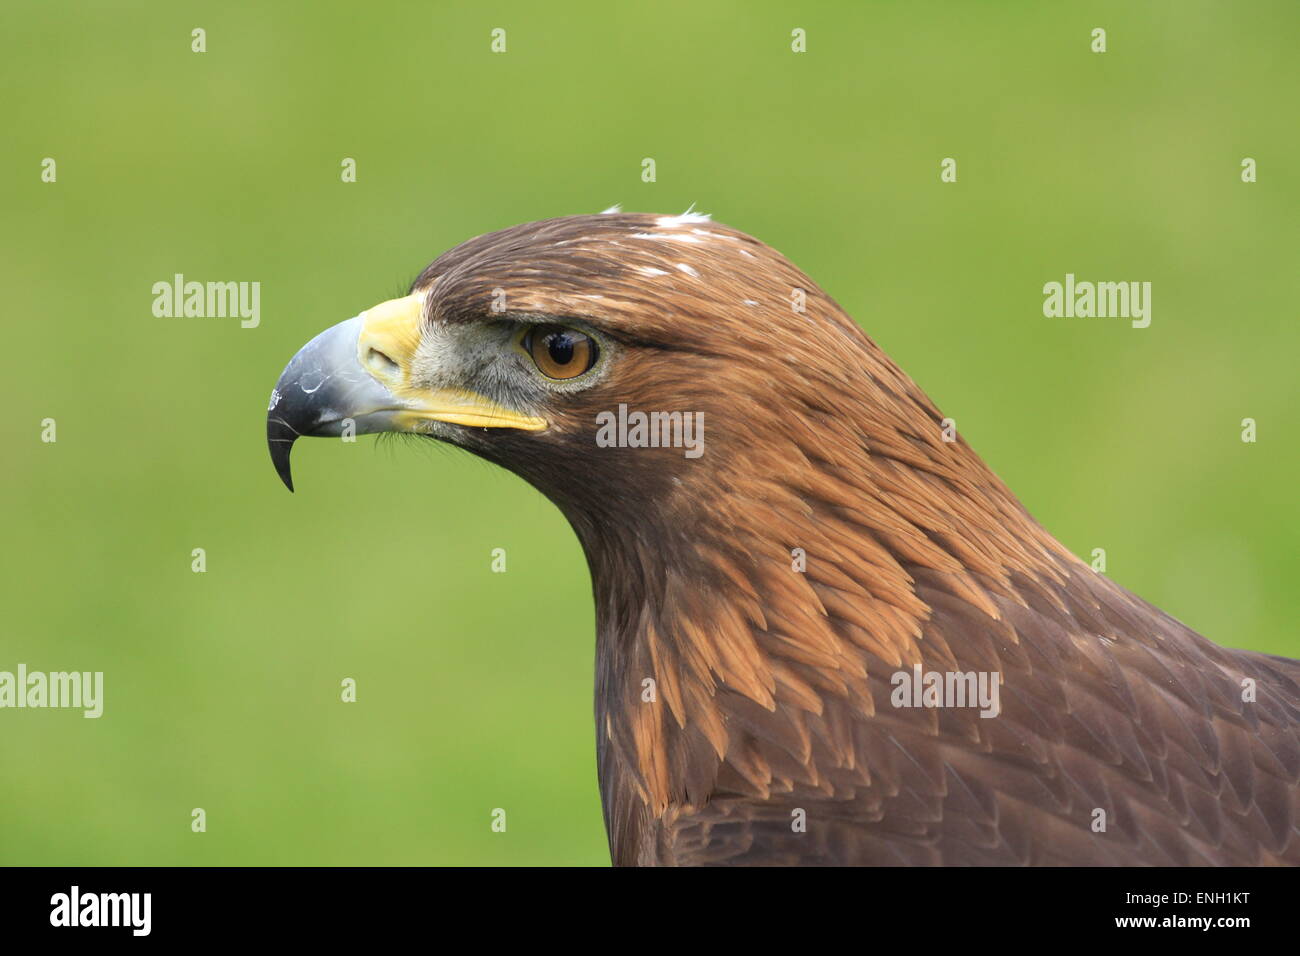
773,685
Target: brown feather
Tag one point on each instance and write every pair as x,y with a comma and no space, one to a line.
774,685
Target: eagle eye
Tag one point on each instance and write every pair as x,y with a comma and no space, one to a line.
558,352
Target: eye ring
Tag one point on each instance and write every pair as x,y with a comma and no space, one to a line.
559,352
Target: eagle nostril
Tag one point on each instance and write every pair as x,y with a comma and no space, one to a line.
380,364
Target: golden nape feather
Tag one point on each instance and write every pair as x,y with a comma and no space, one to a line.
826,632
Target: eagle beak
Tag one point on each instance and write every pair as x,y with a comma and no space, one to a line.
355,378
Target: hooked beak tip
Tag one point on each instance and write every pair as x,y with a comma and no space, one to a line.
279,440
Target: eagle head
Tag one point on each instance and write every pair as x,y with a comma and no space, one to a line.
599,357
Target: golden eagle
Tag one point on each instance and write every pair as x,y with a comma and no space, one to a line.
827,633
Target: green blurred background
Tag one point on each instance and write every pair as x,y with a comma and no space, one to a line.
222,688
